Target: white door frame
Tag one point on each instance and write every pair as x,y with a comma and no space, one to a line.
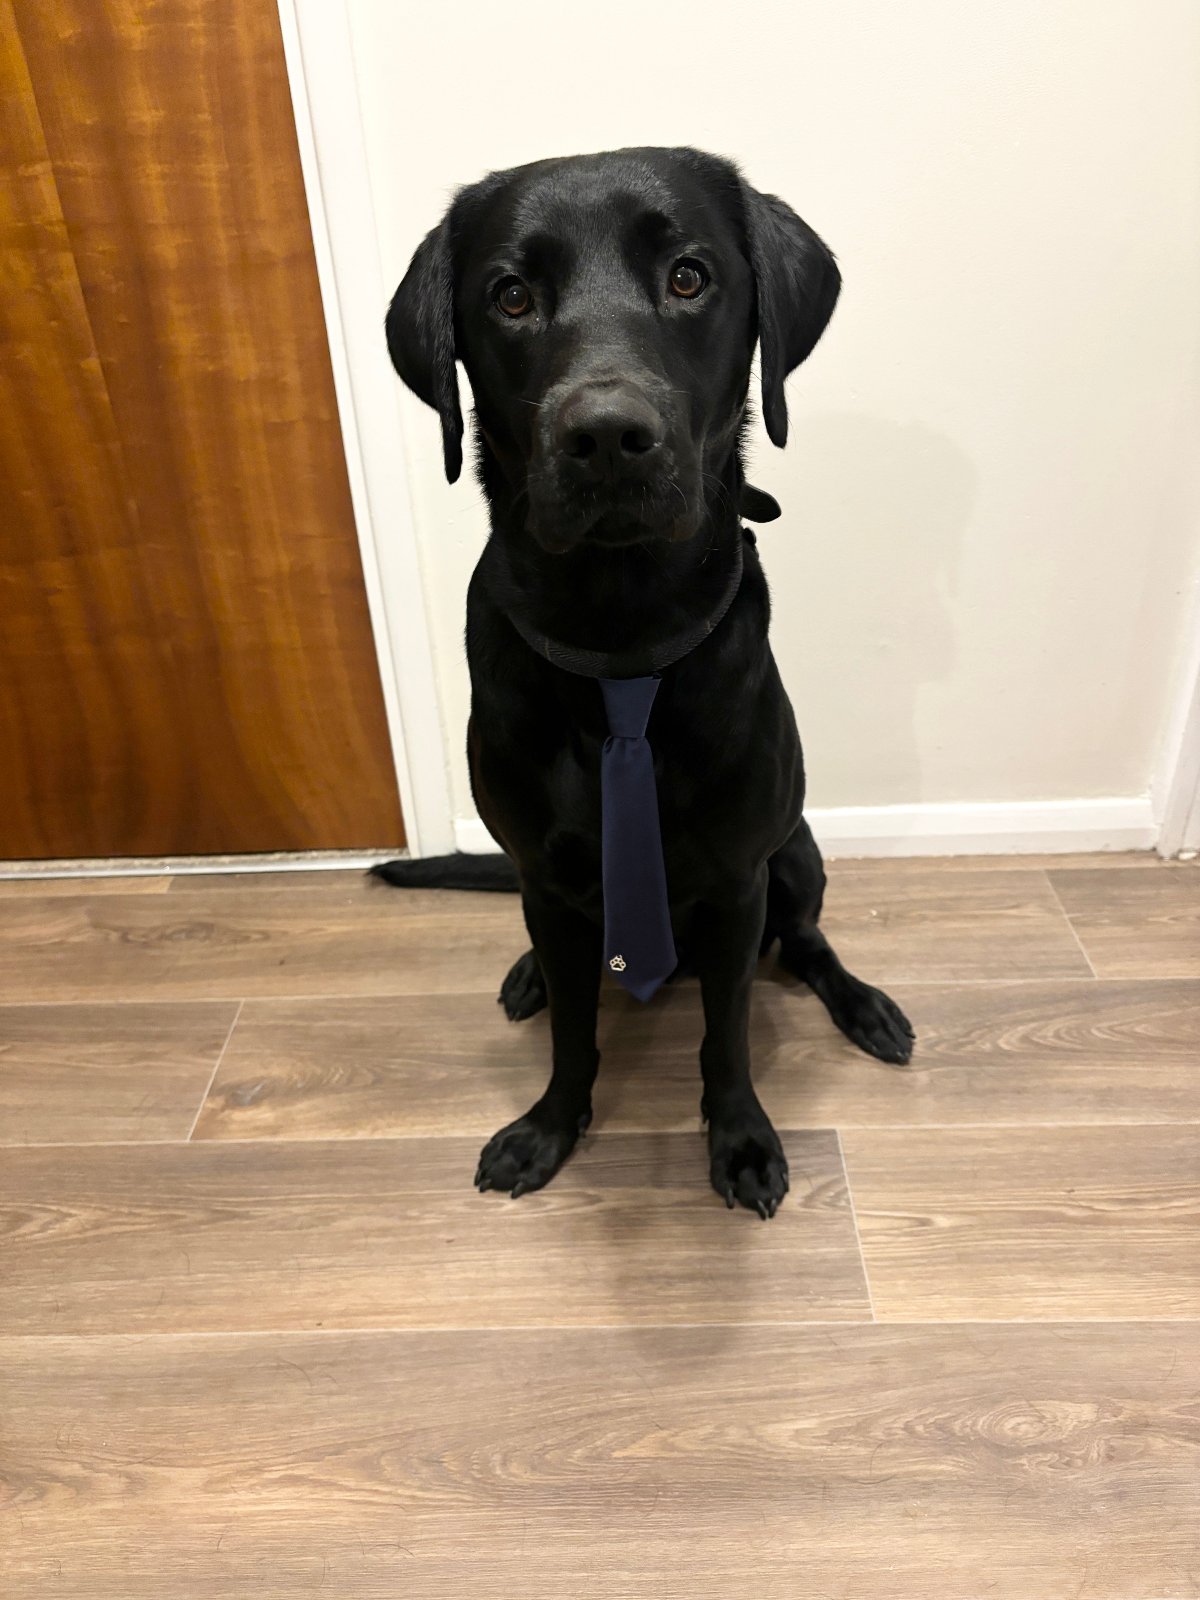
355,293
1176,789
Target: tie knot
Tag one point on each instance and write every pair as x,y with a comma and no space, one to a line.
627,703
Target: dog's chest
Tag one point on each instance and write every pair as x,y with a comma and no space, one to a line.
537,774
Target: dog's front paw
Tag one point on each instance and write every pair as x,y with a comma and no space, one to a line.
874,1022
747,1163
526,1155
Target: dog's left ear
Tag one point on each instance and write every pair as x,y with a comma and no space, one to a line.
420,338
797,280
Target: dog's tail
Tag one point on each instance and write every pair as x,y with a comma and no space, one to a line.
494,874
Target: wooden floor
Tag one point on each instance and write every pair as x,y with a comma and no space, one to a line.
260,1338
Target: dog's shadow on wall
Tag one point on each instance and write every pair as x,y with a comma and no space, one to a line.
864,567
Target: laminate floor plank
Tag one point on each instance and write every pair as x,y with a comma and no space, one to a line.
1058,1051
1135,924
933,925
343,880
391,1233
236,943
1028,1222
83,1074
1116,860
26,888
250,942
923,1463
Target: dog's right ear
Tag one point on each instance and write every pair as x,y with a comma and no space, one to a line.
420,338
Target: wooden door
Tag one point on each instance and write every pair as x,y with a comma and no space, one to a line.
186,659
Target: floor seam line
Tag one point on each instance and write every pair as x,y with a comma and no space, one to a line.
213,1075
419,1330
1058,901
654,1132
862,1255
357,997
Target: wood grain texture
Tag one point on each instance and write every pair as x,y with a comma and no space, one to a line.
347,880
694,1464
152,1238
12,888
1064,1051
231,943
1136,924
186,663
931,925
1032,1222
89,1073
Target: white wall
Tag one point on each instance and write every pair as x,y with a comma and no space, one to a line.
991,537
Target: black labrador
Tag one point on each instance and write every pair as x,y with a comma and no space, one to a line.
606,310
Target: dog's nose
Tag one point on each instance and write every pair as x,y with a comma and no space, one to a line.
611,431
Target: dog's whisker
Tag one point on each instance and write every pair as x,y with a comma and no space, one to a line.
649,549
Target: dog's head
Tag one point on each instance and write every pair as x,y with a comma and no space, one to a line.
606,310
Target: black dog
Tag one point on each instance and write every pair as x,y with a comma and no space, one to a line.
606,309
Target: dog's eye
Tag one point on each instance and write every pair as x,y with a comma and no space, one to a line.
514,298
687,279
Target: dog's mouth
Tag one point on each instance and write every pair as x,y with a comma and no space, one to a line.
669,517
612,517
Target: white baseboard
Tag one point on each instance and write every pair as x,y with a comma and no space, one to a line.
1002,827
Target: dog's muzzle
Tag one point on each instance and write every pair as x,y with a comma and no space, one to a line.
607,467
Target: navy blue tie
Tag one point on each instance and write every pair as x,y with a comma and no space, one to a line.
638,944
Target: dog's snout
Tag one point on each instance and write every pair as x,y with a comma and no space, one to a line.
612,431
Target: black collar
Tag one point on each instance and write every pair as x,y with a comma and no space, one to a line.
619,664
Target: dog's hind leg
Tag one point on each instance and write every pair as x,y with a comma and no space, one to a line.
523,992
795,892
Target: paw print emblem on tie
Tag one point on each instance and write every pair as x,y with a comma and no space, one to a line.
617,964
